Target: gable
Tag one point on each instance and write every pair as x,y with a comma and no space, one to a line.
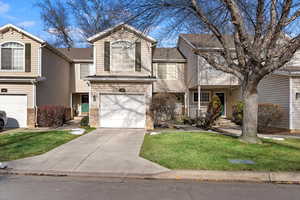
16,32
119,29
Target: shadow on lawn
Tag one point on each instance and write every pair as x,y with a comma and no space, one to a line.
19,137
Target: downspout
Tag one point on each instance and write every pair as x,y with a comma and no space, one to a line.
291,126
199,87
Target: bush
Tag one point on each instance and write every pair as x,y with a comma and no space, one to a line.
214,111
163,107
237,113
84,121
51,116
267,114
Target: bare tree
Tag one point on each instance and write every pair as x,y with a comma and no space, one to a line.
258,30
72,21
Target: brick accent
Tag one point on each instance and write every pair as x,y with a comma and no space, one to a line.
94,117
31,118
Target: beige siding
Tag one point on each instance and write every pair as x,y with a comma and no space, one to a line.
191,68
295,103
55,89
77,85
275,89
210,76
20,88
13,36
146,54
170,85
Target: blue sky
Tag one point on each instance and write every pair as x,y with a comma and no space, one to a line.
24,14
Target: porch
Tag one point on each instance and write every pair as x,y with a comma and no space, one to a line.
197,104
80,104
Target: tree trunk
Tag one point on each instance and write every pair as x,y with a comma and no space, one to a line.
249,131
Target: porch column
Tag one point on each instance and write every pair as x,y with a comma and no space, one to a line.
186,104
199,101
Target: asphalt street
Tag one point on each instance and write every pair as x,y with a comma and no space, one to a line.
62,188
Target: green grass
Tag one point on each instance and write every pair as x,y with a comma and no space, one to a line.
25,144
209,151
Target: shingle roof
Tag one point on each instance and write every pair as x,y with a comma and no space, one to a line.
167,54
78,53
206,40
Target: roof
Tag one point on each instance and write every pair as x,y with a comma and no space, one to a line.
206,40
118,27
8,26
167,54
78,53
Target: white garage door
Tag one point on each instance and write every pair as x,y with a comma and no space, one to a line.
15,107
122,111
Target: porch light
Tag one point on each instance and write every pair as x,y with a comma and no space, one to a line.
94,98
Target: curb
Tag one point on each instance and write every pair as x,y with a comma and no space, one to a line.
199,175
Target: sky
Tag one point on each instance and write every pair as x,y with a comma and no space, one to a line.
24,14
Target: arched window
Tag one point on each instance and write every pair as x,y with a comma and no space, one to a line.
12,56
123,56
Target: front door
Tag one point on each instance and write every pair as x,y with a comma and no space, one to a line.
221,95
84,103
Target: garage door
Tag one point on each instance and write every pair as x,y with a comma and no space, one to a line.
122,111
15,107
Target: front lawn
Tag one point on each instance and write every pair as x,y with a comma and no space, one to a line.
24,144
209,151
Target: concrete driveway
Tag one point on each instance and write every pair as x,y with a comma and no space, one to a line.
107,151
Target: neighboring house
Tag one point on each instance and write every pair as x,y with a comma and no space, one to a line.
32,73
113,81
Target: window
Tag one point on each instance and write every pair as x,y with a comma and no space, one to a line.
167,71
85,69
123,56
12,56
205,97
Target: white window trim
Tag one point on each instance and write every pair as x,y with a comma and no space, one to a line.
5,70
209,92
176,67
111,55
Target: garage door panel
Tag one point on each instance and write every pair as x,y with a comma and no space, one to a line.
15,107
122,111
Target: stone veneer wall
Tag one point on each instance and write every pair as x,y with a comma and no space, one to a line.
31,117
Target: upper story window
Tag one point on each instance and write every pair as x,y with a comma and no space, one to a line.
123,56
12,57
167,71
85,70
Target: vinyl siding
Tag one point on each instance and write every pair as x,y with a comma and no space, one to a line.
77,85
20,88
170,85
146,54
14,36
191,68
275,89
55,90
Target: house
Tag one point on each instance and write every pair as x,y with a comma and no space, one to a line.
114,80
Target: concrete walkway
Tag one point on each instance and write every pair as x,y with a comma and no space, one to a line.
104,151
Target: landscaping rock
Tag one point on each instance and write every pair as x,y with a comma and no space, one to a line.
3,165
77,131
